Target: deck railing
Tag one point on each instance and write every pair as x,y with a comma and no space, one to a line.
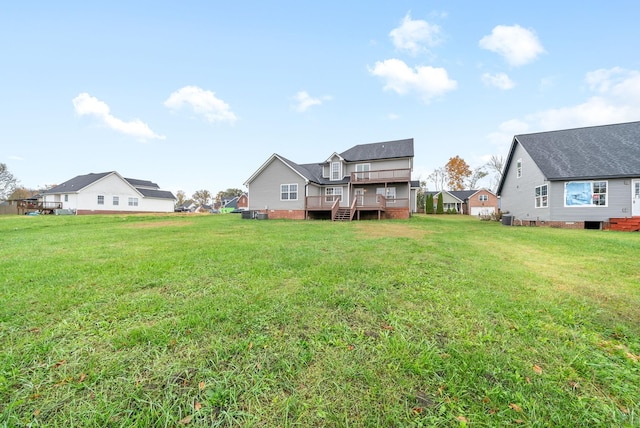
322,202
381,176
39,205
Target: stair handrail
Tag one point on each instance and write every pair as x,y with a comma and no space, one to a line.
334,208
352,209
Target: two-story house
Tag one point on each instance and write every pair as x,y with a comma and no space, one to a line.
366,181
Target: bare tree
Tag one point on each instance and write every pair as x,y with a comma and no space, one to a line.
8,182
438,177
181,197
496,165
477,175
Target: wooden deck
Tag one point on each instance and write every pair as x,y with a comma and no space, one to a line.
625,224
369,204
29,205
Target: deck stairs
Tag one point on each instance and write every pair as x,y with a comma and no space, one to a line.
343,214
625,224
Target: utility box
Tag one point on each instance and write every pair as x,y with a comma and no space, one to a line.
507,220
262,216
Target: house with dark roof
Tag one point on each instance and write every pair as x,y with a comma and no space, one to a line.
108,193
365,181
477,202
578,178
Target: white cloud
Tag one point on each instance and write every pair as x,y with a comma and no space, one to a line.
428,82
414,36
86,105
517,45
304,101
617,100
17,158
204,103
499,80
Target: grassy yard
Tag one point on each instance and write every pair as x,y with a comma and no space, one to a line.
211,320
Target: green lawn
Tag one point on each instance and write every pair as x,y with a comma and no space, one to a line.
184,320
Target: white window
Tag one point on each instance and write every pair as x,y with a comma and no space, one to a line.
585,194
519,168
133,202
100,200
336,171
288,192
388,192
483,198
332,194
362,171
116,200
542,196
66,198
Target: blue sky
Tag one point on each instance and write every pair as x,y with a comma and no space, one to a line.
198,94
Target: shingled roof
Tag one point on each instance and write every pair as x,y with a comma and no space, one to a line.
145,187
383,150
607,151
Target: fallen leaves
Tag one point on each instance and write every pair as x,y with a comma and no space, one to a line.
515,407
537,369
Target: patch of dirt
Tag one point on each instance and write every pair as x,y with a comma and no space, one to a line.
381,229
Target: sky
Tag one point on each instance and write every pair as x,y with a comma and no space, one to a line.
199,94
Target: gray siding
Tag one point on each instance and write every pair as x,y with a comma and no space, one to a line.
618,205
518,194
380,165
264,190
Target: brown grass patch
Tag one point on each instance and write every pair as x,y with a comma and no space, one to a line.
382,229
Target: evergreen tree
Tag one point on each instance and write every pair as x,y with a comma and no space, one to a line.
440,208
429,207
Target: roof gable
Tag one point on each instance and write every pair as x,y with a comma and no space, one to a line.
77,183
607,151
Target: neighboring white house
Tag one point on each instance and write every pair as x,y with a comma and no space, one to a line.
109,193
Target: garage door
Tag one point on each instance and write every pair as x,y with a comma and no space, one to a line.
482,210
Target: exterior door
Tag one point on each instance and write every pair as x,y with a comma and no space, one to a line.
359,194
635,201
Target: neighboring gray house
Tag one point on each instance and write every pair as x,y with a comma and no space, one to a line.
366,181
577,178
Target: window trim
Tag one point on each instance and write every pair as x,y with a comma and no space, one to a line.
592,183
363,171
331,197
338,172
100,200
385,192
289,191
132,202
519,168
483,198
541,200
115,201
